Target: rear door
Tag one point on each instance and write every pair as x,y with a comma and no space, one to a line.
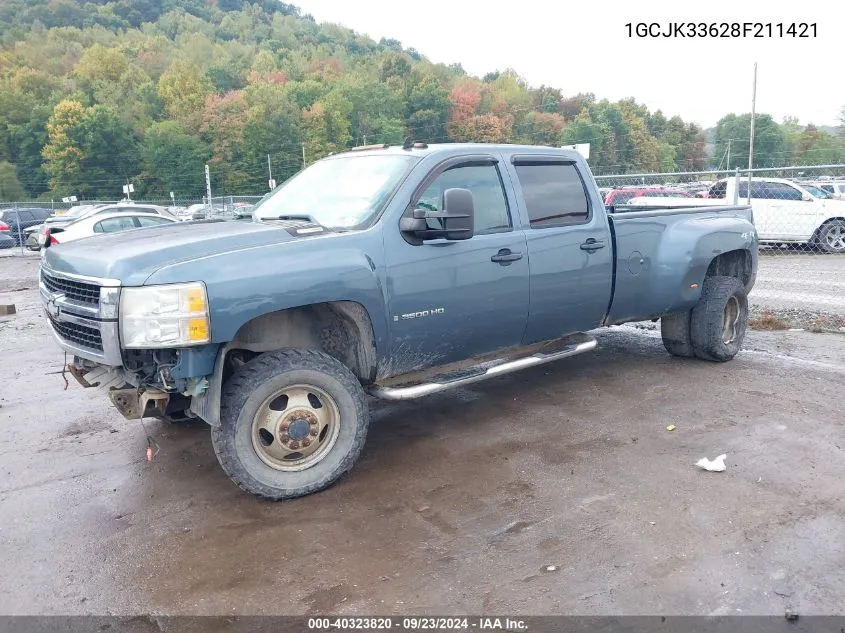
570,254
452,300
789,216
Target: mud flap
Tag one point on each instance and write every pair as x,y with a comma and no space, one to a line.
207,405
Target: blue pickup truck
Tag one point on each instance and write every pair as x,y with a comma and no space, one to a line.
393,271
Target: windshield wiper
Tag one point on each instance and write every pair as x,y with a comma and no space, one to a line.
300,216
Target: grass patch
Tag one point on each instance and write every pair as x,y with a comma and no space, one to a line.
768,321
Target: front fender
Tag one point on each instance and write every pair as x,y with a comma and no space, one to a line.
247,284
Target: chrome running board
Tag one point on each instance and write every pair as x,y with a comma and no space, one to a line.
481,372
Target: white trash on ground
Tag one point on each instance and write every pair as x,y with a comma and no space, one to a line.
715,466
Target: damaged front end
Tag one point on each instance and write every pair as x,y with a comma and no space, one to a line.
150,384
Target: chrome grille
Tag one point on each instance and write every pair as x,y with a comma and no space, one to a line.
79,334
73,290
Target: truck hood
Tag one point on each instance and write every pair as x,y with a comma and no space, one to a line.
133,256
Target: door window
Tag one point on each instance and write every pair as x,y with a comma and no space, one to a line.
758,190
554,195
488,195
781,191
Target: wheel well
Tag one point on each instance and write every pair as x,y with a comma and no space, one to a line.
731,264
342,329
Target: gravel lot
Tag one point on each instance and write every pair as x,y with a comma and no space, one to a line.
461,500
794,280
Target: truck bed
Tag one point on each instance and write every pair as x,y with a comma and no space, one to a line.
657,264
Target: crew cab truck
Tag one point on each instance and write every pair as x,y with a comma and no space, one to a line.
393,271
785,212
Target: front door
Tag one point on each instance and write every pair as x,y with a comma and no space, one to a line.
452,300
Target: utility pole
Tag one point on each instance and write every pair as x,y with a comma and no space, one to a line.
270,182
751,137
729,154
303,155
208,186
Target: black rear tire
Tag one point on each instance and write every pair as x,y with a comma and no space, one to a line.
675,331
720,319
832,237
247,392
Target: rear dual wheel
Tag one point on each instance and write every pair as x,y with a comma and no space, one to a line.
715,328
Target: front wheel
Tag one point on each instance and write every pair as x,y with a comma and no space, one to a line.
719,321
292,422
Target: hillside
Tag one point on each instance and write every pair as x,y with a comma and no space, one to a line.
95,94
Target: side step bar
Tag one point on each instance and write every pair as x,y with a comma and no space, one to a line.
477,374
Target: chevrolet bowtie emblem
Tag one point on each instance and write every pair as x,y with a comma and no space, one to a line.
52,308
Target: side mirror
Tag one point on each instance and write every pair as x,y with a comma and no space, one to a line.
806,197
458,218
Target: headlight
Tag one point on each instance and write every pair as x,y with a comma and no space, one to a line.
164,316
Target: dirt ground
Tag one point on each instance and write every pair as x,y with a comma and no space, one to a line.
461,500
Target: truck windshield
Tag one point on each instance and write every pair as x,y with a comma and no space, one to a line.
341,193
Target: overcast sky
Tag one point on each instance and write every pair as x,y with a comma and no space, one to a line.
583,46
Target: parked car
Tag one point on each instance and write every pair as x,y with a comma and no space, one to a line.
111,222
6,240
835,189
242,211
784,211
197,212
84,212
623,196
402,271
16,221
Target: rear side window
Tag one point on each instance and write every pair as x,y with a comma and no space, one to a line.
554,194
111,225
146,221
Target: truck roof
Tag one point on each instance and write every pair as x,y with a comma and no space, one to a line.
457,149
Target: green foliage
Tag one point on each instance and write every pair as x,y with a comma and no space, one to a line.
168,154
97,92
770,145
10,187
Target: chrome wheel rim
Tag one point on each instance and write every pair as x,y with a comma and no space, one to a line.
295,427
835,237
731,321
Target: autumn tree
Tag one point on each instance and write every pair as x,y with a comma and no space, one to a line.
184,89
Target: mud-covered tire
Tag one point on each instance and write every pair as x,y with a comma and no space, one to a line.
720,319
832,237
675,332
249,388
